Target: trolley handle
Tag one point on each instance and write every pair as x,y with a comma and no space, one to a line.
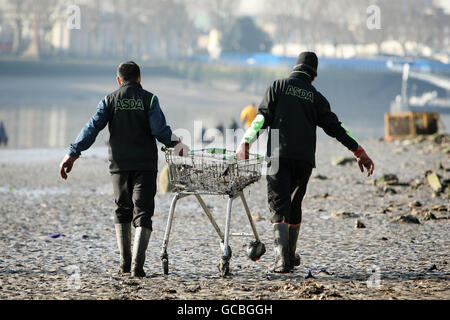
216,151
165,149
209,150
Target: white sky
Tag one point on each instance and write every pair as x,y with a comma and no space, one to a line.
445,4
250,7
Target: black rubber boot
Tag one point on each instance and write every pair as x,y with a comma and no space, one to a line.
123,236
141,238
294,257
281,240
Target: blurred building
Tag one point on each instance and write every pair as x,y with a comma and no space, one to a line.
170,29
6,38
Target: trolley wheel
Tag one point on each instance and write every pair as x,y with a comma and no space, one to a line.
255,250
229,251
224,267
165,265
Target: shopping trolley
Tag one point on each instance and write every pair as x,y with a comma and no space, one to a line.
213,171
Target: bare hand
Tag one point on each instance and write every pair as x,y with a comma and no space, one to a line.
364,161
242,152
181,149
66,166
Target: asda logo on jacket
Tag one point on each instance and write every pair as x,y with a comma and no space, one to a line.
299,93
129,104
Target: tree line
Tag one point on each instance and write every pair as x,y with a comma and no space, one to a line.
172,27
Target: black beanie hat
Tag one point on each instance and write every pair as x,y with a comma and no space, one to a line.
307,61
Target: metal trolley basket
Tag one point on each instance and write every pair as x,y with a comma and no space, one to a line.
213,171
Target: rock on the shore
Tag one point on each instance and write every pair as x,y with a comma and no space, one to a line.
257,217
429,216
385,190
415,204
359,224
440,208
407,219
387,179
342,161
433,181
343,214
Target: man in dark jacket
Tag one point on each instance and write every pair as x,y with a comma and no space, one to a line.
134,119
294,108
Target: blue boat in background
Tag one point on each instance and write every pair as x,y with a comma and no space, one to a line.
377,63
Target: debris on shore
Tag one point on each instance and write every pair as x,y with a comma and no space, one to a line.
342,161
359,224
343,214
405,230
407,219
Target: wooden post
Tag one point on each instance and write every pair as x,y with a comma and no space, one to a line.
386,125
412,124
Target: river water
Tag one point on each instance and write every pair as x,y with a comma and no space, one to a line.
48,111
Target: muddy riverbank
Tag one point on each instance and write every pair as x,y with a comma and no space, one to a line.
57,238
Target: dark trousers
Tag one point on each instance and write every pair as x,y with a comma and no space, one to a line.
286,188
134,195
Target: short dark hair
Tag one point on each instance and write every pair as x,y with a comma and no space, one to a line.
128,71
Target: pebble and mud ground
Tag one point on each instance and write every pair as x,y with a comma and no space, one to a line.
384,237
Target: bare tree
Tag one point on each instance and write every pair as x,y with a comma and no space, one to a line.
164,24
44,10
284,15
20,14
174,30
93,25
166,28
18,25
222,12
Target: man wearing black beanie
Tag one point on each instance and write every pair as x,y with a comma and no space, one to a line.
294,108
307,62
